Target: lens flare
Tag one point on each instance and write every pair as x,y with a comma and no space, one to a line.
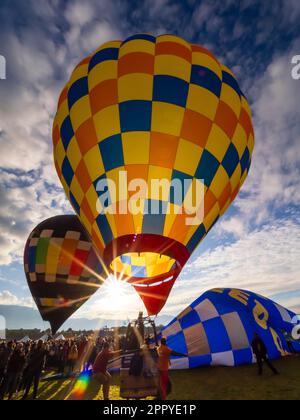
116,292
81,385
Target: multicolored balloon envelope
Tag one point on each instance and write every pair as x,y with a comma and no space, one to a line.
62,268
152,108
218,329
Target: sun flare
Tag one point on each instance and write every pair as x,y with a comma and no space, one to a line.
116,293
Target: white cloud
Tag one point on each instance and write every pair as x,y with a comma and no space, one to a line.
98,34
7,298
79,13
272,184
41,54
265,261
37,71
21,209
277,103
293,303
28,100
90,25
234,226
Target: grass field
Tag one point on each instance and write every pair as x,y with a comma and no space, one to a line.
208,383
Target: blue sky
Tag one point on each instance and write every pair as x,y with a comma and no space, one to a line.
256,245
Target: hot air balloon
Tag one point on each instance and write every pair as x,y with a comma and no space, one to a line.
154,108
218,329
62,268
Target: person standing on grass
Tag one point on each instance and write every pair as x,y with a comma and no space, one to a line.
5,354
100,371
260,350
83,349
61,360
36,364
72,357
13,373
164,354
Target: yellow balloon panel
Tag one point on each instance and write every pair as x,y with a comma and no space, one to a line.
155,108
142,265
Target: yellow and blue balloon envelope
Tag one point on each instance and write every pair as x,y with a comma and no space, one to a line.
218,329
157,108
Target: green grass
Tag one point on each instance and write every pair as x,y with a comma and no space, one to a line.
214,383
208,383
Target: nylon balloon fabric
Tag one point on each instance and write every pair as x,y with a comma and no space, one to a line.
154,108
218,329
62,268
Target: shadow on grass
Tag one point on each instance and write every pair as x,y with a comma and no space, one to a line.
207,383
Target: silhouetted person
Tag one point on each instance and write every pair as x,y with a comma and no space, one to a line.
72,358
260,350
132,339
5,353
13,373
164,354
141,327
150,357
100,371
36,364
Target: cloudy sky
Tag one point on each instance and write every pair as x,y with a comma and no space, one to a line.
256,245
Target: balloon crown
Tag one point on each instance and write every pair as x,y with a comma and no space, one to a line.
158,109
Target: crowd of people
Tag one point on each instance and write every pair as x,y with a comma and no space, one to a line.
22,364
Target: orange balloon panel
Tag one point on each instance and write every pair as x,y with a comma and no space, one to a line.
152,108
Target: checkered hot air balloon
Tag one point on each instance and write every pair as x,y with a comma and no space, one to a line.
154,108
62,268
218,329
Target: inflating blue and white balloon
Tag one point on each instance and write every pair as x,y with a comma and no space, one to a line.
218,328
